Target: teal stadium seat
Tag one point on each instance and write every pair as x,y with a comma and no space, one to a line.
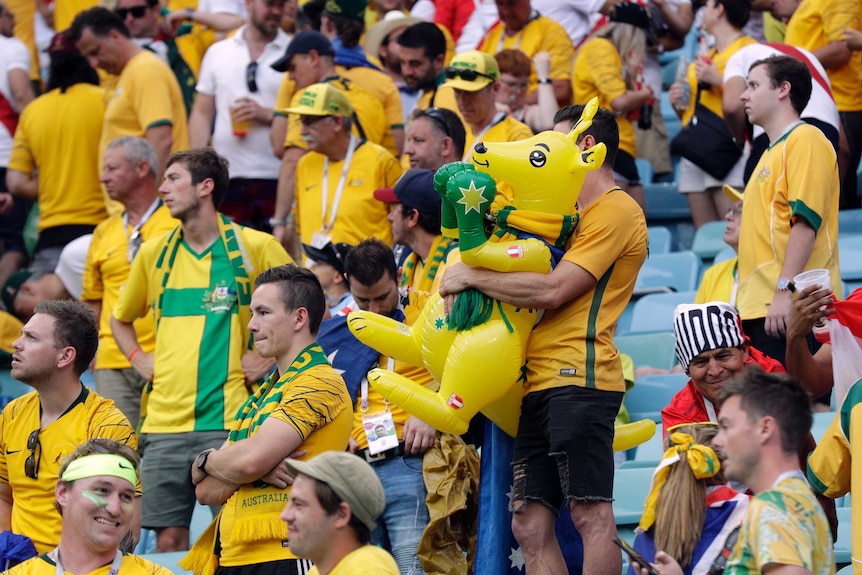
709,240
654,312
651,394
850,222
850,256
676,271
653,349
631,486
660,240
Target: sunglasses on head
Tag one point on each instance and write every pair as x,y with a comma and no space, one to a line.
31,464
439,119
251,76
135,11
465,74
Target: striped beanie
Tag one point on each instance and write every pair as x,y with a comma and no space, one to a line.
705,327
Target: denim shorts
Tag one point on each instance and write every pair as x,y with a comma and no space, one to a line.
564,446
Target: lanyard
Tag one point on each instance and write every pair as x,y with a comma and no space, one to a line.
363,387
115,564
133,240
339,189
498,117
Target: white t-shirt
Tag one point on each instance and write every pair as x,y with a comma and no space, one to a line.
13,56
223,76
821,106
236,7
70,266
576,16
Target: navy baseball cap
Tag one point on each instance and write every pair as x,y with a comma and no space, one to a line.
415,189
303,43
331,254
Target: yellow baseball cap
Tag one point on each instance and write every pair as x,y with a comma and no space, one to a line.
732,193
471,71
322,100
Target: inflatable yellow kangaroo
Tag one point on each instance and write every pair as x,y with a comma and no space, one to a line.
478,352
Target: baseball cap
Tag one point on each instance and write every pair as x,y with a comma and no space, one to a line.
303,43
704,327
732,193
350,477
322,100
11,287
350,9
393,20
471,71
415,189
330,254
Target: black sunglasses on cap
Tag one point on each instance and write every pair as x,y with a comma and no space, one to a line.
465,74
135,11
438,118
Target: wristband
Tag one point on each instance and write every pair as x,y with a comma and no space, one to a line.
273,222
544,81
135,351
190,13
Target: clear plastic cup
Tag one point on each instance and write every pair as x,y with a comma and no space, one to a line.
819,277
239,127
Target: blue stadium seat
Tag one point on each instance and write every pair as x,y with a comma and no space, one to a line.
653,349
676,271
651,394
631,486
850,256
709,240
10,388
822,421
724,255
660,240
850,222
842,546
650,452
664,202
654,312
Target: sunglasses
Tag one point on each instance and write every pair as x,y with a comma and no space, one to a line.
135,11
31,464
436,115
466,74
251,76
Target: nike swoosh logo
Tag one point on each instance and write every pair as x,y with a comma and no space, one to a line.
124,465
10,452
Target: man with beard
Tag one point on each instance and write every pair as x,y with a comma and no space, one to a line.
422,52
238,88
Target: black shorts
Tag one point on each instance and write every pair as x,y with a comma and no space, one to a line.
564,446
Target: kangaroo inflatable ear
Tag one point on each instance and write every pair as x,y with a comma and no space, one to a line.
594,157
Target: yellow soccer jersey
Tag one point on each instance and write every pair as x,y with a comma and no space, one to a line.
381,87
198,382
819,22
145,95
598,73
573,344
105,272
317,406
372,120
131,565
712,98
66,159
784,525
439,97
25,12
359,214
420,276
718,283
10,330
797,176
539,35
366,559
66,10
33,512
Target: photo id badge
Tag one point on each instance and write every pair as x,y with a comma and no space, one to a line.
320,239
380,431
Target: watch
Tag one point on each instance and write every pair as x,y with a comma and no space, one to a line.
190,14
202,461
785,284
273,222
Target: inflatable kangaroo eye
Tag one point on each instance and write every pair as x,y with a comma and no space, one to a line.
538,158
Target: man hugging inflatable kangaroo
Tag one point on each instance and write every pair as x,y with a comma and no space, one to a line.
477,352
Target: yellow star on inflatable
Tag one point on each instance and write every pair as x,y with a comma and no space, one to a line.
471,198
